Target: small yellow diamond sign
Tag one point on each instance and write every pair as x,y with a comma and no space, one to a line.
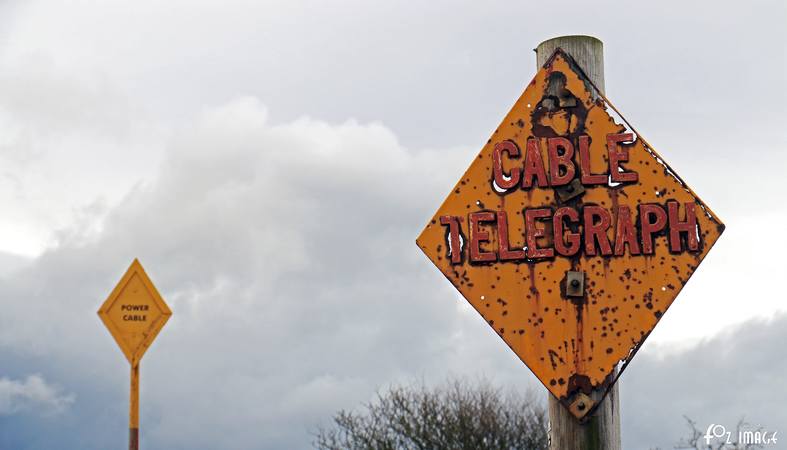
134,313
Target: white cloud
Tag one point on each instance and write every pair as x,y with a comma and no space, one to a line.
287,254
735,283
67,141
32,395
736,374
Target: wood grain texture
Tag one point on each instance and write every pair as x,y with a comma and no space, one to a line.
602,429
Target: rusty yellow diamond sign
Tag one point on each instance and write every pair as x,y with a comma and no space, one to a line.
134,313
570,235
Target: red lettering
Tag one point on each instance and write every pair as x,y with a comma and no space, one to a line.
617,154
625,233
477,236
454,243
689,226
534,165
560,163
533,233
597,231
559,234
497,165
503,247
648,226
587,177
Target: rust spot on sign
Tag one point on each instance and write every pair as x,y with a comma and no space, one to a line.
565,189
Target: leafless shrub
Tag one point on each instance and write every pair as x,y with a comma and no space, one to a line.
458,415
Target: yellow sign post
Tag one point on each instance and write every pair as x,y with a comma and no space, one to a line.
134,313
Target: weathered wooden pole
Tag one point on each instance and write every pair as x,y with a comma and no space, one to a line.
601,430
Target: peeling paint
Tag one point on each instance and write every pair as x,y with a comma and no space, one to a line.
632,269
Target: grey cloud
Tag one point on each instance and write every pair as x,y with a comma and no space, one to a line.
287,254
701,85
10,263
32,395
49,100
735,375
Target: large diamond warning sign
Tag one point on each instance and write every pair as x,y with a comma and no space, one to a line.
569,234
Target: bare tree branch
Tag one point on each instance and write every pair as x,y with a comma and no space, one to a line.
457,415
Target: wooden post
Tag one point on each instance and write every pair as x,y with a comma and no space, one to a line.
601,431
133,417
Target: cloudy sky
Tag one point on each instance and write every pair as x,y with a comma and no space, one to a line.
271,163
